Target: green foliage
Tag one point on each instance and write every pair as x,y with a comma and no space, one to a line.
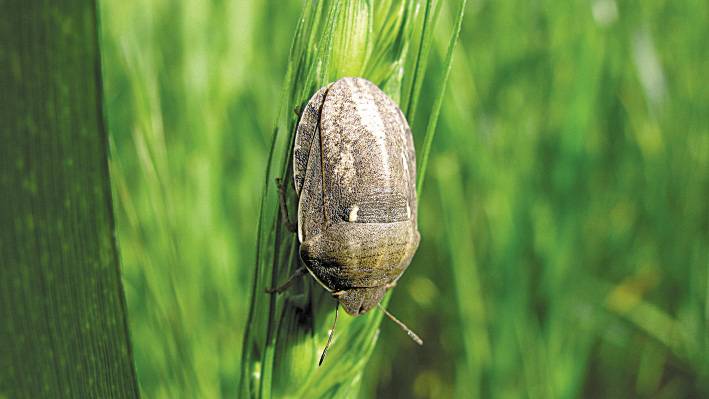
190,104
564,225
63,322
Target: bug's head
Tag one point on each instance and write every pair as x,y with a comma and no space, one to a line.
357,301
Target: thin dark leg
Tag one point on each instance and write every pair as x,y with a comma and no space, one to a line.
329,336
292,227
276,290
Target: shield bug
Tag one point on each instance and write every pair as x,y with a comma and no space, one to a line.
354,172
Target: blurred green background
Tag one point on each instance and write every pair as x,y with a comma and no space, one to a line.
564,218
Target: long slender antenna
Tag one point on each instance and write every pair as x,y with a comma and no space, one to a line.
329,336
407,330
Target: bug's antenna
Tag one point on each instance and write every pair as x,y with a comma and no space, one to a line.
329,336
407,330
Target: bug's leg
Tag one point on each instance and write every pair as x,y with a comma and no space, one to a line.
292,227
329,336
276,290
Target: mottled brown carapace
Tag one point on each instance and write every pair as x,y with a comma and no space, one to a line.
354,172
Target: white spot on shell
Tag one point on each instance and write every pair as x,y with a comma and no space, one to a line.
408,211
353,213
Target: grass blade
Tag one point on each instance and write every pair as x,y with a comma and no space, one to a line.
438,101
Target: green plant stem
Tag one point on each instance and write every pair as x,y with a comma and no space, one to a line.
438,101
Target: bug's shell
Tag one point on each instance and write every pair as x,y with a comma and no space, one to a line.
354,170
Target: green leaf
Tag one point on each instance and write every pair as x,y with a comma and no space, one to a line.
63,328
